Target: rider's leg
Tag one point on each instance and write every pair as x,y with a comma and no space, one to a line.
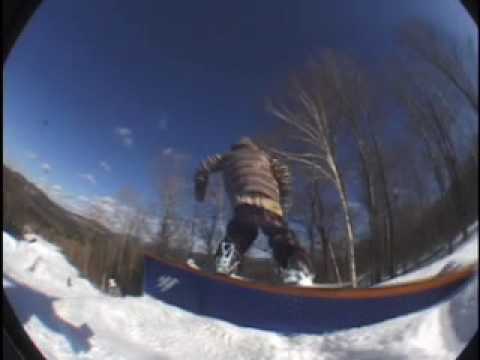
294,265
240,235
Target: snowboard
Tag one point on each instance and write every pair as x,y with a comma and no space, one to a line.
192,265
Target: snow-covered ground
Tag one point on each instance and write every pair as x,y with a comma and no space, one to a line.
466,253
79,322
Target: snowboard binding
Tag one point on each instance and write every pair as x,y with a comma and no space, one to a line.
296,273
227,258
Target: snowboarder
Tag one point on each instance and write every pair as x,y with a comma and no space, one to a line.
258,187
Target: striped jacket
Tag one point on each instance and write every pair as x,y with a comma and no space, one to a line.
250,175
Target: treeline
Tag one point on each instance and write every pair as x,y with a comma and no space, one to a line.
385,165
395,152
385,161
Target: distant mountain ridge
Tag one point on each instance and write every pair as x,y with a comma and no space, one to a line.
25,204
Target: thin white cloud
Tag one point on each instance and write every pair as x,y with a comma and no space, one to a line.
46,167
123,131
83,198
126,135
107,200
89,177
57,188
174,154
128,141
163,123
31,155
105,166
74,203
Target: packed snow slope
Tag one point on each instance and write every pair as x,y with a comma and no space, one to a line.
68,318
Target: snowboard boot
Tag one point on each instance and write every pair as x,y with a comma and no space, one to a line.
296,273
227,258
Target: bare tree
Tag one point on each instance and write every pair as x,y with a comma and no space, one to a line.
318,221
445,56
431,116
310,111
387,199
133,217
118,254
99,256
212,214
171,185
362,116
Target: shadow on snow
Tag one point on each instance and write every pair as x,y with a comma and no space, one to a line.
28,302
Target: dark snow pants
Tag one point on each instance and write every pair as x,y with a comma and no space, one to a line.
242,230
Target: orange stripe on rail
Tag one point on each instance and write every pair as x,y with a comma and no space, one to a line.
411,288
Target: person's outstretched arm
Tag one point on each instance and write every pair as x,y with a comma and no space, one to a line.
211,165
284,180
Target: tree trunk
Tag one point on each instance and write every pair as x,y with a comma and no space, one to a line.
334,261
447,149
328,253
372,208
311,226
87,256
388,216
349,227
211,234
325,250
165,231
316,223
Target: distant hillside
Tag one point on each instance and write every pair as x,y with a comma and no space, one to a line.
25,204
96,251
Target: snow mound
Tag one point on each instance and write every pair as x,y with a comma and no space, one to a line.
465,254
40,261
79,322
9,244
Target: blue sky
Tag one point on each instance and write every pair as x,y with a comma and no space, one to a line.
97,90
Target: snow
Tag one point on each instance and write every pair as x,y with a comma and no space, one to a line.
465,254
80,322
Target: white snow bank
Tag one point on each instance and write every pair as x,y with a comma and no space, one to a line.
465,254
145,328
40,262
9,244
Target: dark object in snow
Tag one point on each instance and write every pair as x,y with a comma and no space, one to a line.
34,265
259,188
113,289
289,309
69,281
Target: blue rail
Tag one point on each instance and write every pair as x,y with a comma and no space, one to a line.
290,310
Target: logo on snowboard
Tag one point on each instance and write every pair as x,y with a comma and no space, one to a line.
166,282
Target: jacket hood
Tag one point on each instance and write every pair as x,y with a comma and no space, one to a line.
245,142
